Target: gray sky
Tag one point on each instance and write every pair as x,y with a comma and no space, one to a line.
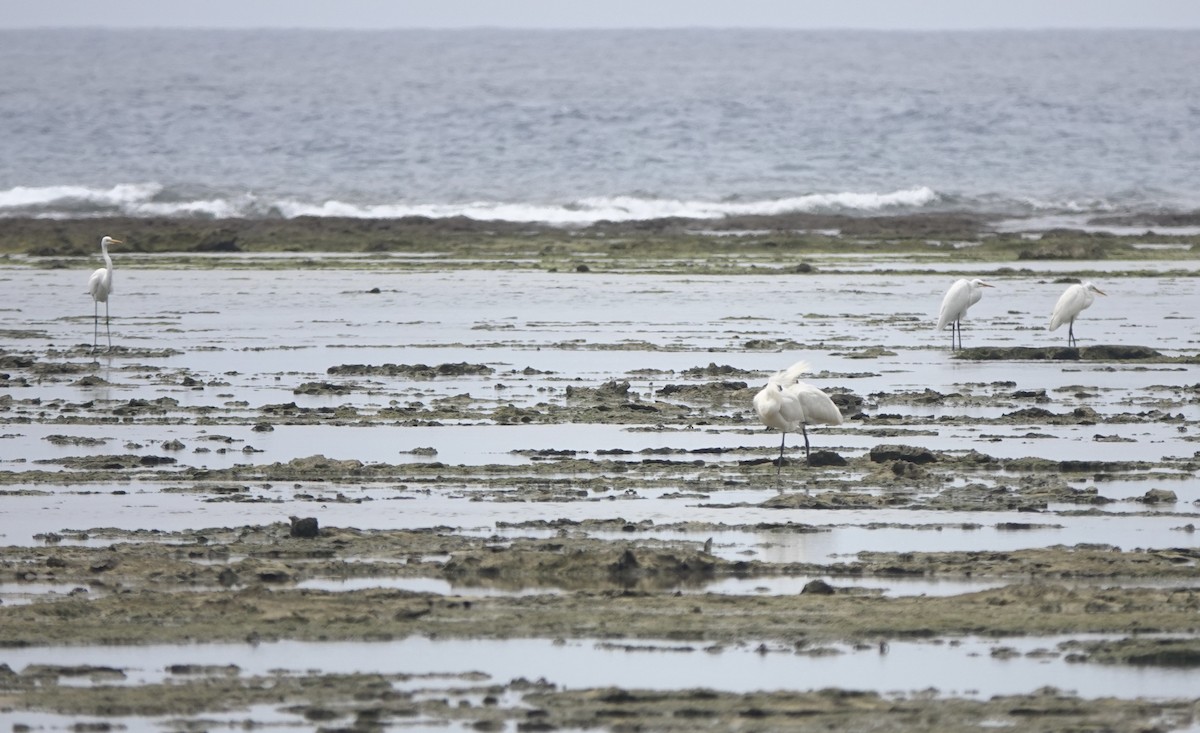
876,14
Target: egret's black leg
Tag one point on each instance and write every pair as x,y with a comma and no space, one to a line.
95,325
805,432
107,329
779,463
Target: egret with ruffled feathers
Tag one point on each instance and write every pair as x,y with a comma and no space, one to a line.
788,405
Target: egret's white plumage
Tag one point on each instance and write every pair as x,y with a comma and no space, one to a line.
100,286
962,295
788,405
1071,303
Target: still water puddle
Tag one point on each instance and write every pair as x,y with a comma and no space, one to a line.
776,586
676,313
417,585
963,667
224,446
19,594
789,535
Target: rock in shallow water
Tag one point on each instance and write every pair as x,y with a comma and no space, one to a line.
304,527
911,454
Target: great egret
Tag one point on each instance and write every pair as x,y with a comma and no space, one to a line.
100,286
1071,303
787,404
962,295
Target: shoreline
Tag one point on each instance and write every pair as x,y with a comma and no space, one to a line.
671,238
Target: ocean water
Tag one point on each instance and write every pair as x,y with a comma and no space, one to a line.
575,126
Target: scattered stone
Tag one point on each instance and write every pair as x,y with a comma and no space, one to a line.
105,564
422,451
911,454
907,470
818,587
613,388
57,439
156,461
848,403
1118,352
323,388
1159,496
821,458
414,371
1058,353
274,573
713,370
304,527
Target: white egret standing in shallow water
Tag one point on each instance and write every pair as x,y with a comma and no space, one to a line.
1071,303
962,295
786,404
100,287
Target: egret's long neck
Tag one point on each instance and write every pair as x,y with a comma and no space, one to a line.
107,259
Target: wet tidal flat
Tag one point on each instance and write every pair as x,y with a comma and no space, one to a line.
357,494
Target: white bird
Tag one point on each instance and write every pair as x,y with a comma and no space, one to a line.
962,295
787,404
100,287
1071,303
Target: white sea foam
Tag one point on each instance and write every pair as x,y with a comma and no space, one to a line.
124,194
218,208
1093,206
147,199
619,208
126,199
155,200
152,199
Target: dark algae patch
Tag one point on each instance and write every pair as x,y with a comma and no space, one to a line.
379,701
1117,352
780,244
154,587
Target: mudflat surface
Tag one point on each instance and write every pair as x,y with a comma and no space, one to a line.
439,475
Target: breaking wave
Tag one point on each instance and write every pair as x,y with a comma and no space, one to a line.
141,200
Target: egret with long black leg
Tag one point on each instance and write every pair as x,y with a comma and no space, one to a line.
962,295
1071,303
100,287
